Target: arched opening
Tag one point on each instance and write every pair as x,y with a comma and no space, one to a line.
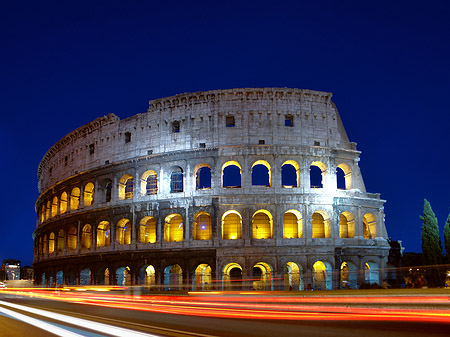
231,174
86,237
47,210
290,174
88,195
262,224
173,228
344,177
261,174
232,277
147,276
173,278
63,203
371,275
106,278
59,278
317,173
60,241
75,198
202,173
322,276
202,226
231,225
123,276
54,206
108,190
293,276
176,180
202,278
123,232
103,276
369,226
41,251
42,213
346,225
147,230
126,187
149,183
103,234
51,243
348,275
320,225
72,238
292,224
85,277
262,276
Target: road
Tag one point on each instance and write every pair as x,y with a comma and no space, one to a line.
117,314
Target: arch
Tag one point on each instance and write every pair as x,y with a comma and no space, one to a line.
147,230
59,278
54,206
173,277
86,236
75,198
231,174
369,226
85,277
202,174
147,276
103,234
348,275
60,241
371,273
123,232
317,173
72,238
108,190
231,225
262,224
42,213
149,183
261,173
346,225
173,228
320,224
344,177
103,276
201,228
47,210
293,276
262,276
126,187
202,279
290,174
123,276
232,277
322,276
88,195
51,243
292,224
176,179
63,203
40,249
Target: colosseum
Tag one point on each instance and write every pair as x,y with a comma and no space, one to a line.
254,188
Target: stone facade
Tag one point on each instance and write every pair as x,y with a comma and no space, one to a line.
208,189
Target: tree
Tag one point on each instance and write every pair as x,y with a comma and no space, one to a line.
447,236
431,241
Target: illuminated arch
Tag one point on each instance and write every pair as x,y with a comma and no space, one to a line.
176,180
290,174
262,276
202,175
51,243
231,174
320,224
261,173
369,226
322,276
42,213
232,277
293,276
317,173
262,224
149,183
72,238
231,225
86,236
75,198
123,276
126,187
173,228
60,241
345,173
47,209
371,273
292,224
173,277
85,277
201,228
346,225
88,195
147,276
202,279
54,206
63,203
147,230
103,234
348,275
123,232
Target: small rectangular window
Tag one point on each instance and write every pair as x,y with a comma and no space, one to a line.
202,145
176,127
316,143
106,162
66,159
262,142
127,137
149,152
289,120
230,121
91,149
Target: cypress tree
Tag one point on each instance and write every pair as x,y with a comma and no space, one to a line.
447,236
431,241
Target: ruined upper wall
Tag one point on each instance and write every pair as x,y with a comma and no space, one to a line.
259,115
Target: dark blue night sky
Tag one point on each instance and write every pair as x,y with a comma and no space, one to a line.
65,63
